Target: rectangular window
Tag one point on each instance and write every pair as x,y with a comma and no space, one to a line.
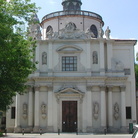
69,63
13,113
128,112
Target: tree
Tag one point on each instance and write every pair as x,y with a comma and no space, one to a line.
15,48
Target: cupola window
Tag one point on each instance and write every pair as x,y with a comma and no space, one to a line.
94,30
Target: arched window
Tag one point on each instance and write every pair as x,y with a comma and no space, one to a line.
44,58
94,30
49,29
95,57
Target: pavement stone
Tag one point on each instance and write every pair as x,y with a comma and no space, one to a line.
66,135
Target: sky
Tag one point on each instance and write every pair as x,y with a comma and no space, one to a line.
120,15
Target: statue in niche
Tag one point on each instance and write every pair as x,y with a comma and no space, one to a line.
116,111
95,110
44,58
43,110
24,110
95,57
107,33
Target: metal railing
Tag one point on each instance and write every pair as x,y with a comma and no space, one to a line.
64,13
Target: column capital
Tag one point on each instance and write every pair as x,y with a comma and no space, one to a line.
89,88
110,88
122,88
102,87
30,88
37,87
50,88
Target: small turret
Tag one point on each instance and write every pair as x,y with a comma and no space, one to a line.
34,28
71,5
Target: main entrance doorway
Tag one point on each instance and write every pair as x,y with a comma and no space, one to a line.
69,116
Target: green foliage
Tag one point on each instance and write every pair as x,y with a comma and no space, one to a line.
15,58
1,134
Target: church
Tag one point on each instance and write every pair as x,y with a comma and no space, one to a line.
84,79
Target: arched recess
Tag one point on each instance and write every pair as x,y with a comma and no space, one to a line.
44,58
93,29
95,57
49,31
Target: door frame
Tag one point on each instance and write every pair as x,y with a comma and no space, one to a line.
78,113
74,111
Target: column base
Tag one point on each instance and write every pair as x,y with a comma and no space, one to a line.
124,129
89,129
36,129
50,129
17,129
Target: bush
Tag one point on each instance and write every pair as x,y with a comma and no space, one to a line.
1,134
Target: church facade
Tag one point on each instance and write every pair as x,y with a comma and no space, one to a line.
83,81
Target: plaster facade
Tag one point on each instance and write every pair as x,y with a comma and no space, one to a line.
101,80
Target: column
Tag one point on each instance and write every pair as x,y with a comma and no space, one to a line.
123,106
109,56
36,104
103,107
102,58
18,115
50,110
89,109
110,107
30,108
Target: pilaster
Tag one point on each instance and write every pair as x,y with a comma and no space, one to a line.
30,108
89,108
50,109
110,106
36,116
50,59
109,56
103,106
123,106
102,58
17,116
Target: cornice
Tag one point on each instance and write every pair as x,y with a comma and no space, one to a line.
91,78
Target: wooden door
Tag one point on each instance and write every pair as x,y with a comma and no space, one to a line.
69,116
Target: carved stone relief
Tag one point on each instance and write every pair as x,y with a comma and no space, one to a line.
43,110
70,32
117,65
95,110
25,110
116,111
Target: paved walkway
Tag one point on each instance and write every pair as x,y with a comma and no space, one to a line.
64,135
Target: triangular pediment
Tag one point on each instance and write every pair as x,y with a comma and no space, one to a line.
69,49
69,91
